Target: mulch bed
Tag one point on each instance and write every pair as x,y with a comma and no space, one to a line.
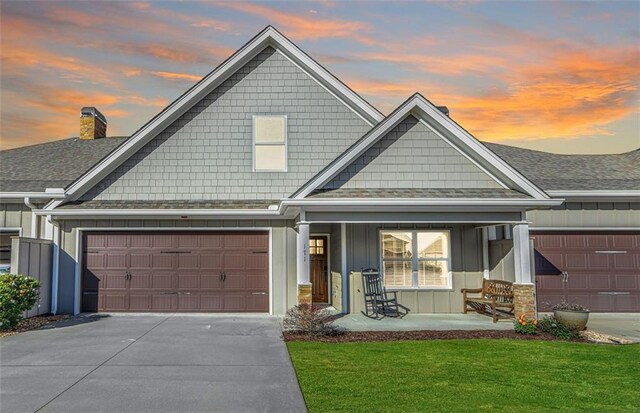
375,336
34,323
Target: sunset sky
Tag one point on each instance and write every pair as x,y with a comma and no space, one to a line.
555,76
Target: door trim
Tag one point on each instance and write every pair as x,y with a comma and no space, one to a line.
79,252
329,291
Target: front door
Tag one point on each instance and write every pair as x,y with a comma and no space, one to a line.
319,268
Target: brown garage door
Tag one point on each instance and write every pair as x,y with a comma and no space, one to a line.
603,270
173,272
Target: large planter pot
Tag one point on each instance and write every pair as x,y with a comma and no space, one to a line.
575,319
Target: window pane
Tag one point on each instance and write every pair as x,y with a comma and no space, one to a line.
320,242
397,274
270,129
312,250
433,274
433,245
312,242
320,250
270,157
396,245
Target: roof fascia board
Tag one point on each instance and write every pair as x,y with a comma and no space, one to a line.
424,201
32,195
159,213
268,37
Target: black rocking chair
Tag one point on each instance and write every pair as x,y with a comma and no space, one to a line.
378,302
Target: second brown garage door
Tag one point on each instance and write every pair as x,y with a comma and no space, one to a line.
601,270
176,272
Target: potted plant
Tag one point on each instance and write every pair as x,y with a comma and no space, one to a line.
571,314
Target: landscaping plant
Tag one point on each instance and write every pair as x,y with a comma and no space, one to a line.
549,324
310,320
523,325
567,306
18,294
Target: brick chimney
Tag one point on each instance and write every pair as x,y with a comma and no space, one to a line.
93,124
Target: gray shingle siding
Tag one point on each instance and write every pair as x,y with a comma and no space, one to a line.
411,156
207,154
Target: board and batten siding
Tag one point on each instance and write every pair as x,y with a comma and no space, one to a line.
283,249
587,215
363,251
208,152
412,156
16,215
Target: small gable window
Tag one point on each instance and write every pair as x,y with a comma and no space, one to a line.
270,143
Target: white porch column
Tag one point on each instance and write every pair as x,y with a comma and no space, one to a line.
524,288
304,282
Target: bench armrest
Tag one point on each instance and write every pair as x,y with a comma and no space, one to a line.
471,290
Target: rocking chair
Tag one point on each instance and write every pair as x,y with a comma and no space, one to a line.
378,302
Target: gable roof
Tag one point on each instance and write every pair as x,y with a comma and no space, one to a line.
418,106
53,164
267,37
555,172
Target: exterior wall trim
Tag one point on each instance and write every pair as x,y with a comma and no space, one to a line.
78,253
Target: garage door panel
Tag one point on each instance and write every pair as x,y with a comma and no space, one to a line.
139,260
176,271
625,262
162,261
603,269
139,302
627,282
188,261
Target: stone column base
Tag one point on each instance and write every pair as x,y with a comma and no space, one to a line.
524,300
304,293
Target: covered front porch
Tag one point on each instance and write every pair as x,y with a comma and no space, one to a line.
427,257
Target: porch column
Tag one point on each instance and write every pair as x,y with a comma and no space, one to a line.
524,298
304,282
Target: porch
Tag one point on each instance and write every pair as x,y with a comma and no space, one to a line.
427,257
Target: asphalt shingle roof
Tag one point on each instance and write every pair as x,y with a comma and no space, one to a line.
52,164
227,204
552,171
418,193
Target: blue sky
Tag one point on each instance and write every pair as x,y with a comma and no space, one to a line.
556,76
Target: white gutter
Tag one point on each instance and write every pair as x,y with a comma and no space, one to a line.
596,194
50,193
156,213
421,202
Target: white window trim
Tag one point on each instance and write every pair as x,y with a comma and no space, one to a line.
286,143
414,272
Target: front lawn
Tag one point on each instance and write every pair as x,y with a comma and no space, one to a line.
468,375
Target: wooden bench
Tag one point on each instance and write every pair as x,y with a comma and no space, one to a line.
495,299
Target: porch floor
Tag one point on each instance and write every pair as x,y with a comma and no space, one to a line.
471,321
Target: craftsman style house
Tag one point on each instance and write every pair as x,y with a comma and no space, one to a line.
270,182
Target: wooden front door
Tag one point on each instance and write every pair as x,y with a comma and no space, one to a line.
318,251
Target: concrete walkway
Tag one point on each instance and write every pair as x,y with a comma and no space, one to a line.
625,325
150,363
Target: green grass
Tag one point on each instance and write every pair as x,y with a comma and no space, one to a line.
468,375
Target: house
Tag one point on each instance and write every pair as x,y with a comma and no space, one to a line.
270,182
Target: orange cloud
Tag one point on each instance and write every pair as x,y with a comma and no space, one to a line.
177,76
303,28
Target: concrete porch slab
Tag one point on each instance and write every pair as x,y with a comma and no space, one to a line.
471,321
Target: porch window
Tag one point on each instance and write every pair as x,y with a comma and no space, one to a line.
416,259
270,143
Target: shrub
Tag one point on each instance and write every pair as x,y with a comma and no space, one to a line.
523,325
18,293
551,325
311,320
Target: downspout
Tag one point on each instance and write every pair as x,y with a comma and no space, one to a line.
34,217
55,266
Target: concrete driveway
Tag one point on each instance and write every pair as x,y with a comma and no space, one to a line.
150,363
